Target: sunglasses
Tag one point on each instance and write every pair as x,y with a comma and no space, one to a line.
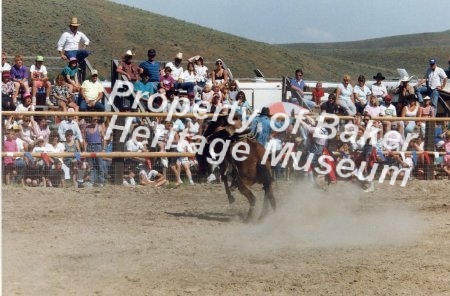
219,63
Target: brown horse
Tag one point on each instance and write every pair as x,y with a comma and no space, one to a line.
244,173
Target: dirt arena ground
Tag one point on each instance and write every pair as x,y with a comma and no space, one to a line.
185,241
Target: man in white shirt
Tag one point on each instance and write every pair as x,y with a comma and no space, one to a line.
92,93
69,124
435,79
177,74
72,42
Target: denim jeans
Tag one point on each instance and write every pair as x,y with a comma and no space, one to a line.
98,106
96,164
425,90
80,54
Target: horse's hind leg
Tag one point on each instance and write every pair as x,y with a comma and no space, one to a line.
268,193
268,198
251,199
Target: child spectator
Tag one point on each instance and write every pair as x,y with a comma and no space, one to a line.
447,153
32,175
72,145
56,175
8,88
70,73
184,146
9,164
152,177
166,80
317,93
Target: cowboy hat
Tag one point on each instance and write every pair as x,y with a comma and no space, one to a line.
195,58
179,56
405,79
74,22
379,76
129,53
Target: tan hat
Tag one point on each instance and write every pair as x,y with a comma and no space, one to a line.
94,72
405,79
129,53
74,22
179,56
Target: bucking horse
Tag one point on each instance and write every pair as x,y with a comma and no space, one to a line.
244,173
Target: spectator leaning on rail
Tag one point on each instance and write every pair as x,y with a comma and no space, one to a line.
71,41
435,79
92,93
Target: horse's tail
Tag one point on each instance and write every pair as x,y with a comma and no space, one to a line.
267,180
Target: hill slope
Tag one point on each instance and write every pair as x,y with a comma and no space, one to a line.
113,28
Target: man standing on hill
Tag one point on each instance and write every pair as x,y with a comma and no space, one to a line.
435,79
152,67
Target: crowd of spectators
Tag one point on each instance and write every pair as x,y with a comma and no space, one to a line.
38,134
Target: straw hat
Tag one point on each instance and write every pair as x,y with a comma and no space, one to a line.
179,56
405,79
129,53
74,22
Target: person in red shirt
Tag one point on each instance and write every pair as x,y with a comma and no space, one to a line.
317,93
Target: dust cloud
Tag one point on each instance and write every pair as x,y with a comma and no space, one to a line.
343,217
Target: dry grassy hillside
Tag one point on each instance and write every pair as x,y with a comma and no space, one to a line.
114,28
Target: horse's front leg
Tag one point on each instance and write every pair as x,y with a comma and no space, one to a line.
230,196
224,176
